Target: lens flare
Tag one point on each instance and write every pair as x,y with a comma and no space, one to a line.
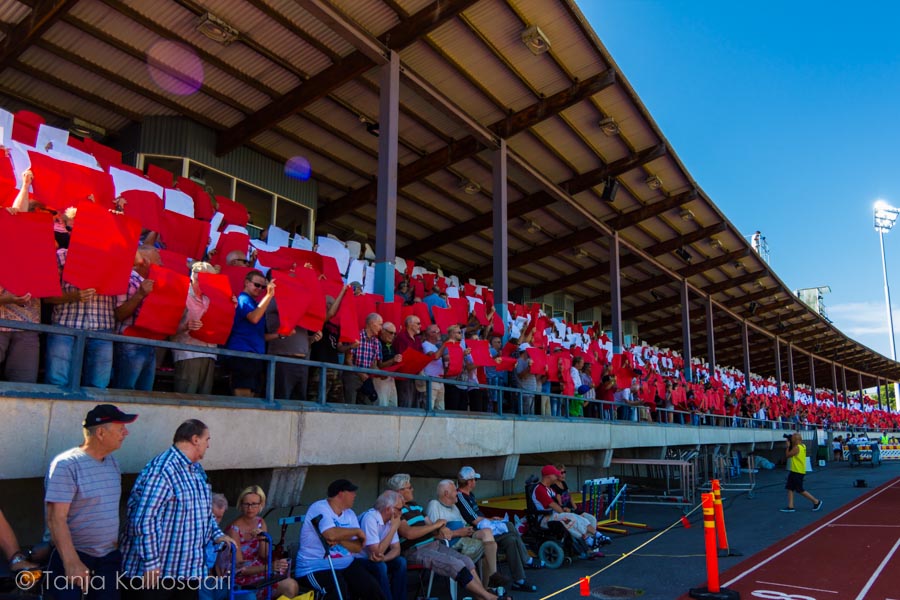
298,167
175,68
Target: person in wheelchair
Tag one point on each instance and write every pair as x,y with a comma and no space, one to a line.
545,501
564,499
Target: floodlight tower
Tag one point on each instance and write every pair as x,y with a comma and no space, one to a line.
885,217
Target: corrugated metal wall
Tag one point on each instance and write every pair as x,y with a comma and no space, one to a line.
176,136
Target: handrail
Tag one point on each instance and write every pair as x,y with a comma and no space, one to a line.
74,386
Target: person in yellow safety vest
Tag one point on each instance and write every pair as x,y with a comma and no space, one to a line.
795,452
884,438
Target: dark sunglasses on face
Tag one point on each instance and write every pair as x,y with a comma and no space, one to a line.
258,286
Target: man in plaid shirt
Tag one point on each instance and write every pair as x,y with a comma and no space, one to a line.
80,309
170,520
367,354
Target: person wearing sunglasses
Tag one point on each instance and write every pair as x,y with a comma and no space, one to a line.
248,334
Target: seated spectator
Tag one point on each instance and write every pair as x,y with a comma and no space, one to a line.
435,298
134,365
216,586
381,555
545,501
403,293
329,349
19,349
248,334
86,310
252,551
424,542
194,370
385,387
334,520
9,545
564,499
509,543
443,508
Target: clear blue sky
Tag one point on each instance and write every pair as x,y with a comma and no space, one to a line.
787,114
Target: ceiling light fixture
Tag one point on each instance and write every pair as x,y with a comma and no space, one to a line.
653,182
684,255
468,186
216,29
752,307
686,215
608,126
581,253
533,227
535,40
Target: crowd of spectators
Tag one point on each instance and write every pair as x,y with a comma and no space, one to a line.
197,278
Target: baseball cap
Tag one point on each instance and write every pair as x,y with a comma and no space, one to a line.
106,413
550,470
467,473
340,485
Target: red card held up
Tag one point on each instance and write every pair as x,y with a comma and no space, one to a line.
293,301
455,354
175,262
228,243
144,206
101,250
481,354
26,239
184,235
219,317
412,363
538,361
236,276
346,317
481,314
234,212
507,363
392,312
445,318
162,309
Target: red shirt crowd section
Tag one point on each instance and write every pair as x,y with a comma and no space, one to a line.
107,231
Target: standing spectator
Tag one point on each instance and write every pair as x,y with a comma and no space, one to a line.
435,299
433,347
366,355
80,309
194,370
408,338
403,293
381,555
495,377
291,379
528,381
170,520
509,543
19,349
607,392
457,394
134,365
248,333
83,486
386,387
333,519
328,349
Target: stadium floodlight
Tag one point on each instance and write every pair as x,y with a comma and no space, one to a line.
885,218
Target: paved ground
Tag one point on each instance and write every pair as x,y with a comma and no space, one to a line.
671,564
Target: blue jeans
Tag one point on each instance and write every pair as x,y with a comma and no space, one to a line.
391,576
103,583
135,366
98,358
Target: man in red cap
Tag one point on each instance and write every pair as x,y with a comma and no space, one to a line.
545,501
83,487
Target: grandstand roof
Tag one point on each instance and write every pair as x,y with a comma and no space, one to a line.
301,78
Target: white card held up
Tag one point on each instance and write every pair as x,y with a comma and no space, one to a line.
50,138
357,271
178,201
126,180
369,284
335,249
278,237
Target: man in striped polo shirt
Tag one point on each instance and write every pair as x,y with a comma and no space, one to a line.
82,491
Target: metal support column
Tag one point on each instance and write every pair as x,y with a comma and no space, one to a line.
834,385
859,377
501,236
778,365
812,374
790,357
745,341
878,391
615,294
386,210
686,329
844,382
710,336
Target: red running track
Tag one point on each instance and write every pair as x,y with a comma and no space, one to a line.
852,554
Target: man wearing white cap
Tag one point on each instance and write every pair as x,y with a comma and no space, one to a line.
507,537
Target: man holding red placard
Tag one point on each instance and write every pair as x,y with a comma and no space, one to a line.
194,370
248,333
134,365
80,309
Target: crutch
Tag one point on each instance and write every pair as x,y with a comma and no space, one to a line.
315,523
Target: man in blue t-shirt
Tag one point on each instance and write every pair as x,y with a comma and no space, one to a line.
248,334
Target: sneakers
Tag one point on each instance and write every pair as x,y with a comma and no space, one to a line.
602,540
790,509
818,506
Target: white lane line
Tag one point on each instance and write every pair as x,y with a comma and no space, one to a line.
877,572
799,587
809,535
861,525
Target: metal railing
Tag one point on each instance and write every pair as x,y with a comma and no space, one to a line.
606,410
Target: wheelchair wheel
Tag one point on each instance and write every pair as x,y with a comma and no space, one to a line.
552,553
